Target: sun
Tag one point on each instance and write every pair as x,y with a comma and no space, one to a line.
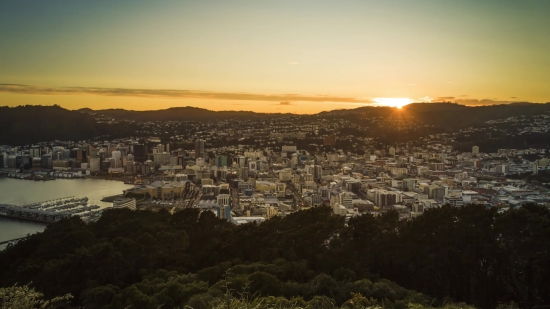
393,102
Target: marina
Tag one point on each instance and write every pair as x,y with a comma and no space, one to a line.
54,210
16,192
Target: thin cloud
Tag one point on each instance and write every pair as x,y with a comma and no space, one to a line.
474,102
443,99
426,99
175,94
285,103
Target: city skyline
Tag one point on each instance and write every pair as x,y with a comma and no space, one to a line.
260,56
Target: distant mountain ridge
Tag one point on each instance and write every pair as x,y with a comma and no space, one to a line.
176,113
29,124
418,109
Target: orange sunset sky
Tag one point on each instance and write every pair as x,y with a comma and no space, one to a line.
273,56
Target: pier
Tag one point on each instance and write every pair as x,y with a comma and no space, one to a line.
53,210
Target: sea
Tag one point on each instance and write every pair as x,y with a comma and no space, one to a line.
20,192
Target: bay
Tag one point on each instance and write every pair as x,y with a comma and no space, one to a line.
21,192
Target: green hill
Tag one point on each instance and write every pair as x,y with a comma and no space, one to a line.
469,254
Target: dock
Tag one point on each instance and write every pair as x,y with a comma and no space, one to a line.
53,210
110,199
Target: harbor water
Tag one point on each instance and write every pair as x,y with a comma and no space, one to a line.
20,192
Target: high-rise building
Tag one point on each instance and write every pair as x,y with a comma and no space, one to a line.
437,166
95,164
160,148
47,161
12,161
4,159
317,172
139,153
241,161
130,167
435,192
116,155
345,199
475,150
224,212
385,198
242,173
199,148
161,159
35,152
221,161
294,160
409,184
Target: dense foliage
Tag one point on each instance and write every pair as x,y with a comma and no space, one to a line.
469,254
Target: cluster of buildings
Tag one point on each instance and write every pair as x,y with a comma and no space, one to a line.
262,183
272,167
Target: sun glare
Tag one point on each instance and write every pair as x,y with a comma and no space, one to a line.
393,102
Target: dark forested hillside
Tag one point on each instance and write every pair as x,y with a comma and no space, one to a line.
469,254
30,124
454,116
441,115
177,113
447,116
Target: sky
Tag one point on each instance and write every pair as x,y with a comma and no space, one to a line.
272,56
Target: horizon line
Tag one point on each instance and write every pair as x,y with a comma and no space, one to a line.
281,99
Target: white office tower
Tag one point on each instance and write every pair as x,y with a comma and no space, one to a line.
317,172
241,161
475,150
285,174
222,199
117,156
35,152
391,151
200,162
309,169
95,164
130,157
535,168
345,199
294,160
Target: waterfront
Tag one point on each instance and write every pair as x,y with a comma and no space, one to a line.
20,192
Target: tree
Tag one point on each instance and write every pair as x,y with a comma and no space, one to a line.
25,297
